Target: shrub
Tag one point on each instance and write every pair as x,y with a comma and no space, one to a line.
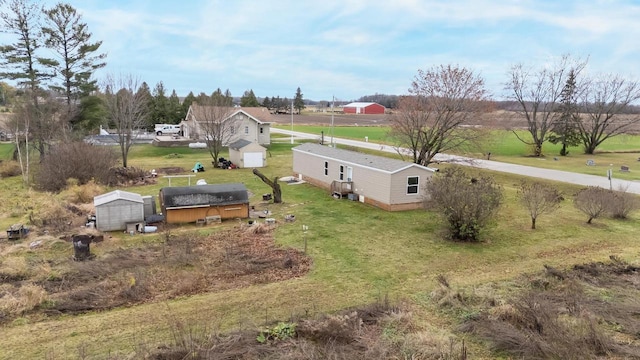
466,203
538,198
19,300
622,204
77,160
593,201
9,169
53,214
81,194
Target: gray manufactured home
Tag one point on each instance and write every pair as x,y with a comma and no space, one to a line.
389,184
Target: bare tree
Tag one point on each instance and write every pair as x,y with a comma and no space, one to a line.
431,120
466,203
538,198
603,102
126,109
593,201
216,126
273,184
538,93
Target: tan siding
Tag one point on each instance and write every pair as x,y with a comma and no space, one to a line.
398,189
312,167
380,189
372,184
176,216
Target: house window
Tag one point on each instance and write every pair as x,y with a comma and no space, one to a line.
261,130
246,130
412,184
341,172
232,130
326,168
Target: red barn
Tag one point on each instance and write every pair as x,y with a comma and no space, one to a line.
363,108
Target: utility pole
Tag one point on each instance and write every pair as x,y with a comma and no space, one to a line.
333,101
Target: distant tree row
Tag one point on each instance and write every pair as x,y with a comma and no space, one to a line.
388,101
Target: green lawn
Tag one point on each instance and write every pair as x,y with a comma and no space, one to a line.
6,150
359,252
504,146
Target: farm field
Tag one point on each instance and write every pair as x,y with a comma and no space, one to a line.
358,255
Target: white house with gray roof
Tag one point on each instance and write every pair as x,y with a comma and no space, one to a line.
387,183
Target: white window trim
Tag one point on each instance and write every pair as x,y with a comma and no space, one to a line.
416,185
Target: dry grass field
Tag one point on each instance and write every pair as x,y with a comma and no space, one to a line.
361,283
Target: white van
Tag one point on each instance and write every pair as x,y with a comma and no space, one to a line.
161,129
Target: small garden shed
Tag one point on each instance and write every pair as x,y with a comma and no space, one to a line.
387,183
193,203
247,154
118,208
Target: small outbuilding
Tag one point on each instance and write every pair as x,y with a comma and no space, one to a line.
368,108
189,204
247,154
116,209
387,183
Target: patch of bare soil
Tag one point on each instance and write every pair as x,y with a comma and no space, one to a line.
181,265
170,170
587,312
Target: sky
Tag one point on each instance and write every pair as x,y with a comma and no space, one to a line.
350,48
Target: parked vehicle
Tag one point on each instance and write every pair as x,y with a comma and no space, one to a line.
161,129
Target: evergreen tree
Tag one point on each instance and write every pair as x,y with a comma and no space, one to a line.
249,99
20,61
91,114
144,94
203,99
69,38
176,111
161,113
566,128
228,99
298,101
186,103
217,97
266,102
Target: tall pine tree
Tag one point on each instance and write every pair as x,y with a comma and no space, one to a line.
249,99
298,101
566,128
70,40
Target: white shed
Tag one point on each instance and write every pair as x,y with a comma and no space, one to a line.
116,209
247,154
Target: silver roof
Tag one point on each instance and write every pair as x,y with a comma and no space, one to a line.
371,161
117,195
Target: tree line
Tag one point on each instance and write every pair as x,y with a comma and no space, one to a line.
559,103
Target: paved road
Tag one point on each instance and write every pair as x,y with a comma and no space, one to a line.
557,175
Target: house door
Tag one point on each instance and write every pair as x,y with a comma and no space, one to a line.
349,173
